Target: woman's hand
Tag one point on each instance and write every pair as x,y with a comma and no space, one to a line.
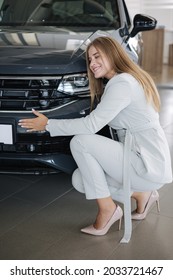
34,124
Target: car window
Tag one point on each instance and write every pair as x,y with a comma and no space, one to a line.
60,13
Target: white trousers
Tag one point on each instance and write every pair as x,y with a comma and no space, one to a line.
100,167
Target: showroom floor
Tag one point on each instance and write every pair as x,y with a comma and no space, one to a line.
41,216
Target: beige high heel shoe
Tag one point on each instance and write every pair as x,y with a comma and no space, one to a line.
154,197
117,215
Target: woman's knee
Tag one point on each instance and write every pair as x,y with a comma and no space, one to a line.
77,142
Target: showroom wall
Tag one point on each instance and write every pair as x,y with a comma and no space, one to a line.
162,10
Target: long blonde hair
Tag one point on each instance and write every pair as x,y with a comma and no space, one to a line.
121,63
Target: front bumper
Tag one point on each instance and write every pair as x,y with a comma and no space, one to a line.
36,164
39,152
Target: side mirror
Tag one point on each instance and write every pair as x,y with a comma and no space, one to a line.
142,23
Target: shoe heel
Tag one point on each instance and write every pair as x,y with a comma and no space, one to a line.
154,198
119,225
158,205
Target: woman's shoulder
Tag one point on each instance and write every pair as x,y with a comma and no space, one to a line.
120,84
123,78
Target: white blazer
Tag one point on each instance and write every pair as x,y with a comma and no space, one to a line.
123,106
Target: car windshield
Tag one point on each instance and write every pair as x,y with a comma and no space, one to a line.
60,13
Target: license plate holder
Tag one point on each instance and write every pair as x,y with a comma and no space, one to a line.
7,131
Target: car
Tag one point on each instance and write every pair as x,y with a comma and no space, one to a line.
42,66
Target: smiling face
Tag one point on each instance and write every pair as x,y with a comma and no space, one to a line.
99,64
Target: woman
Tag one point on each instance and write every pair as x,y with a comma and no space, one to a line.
130,100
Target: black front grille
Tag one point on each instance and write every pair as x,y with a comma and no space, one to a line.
27,93
49,146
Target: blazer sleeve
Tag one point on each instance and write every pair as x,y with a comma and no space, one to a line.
115,98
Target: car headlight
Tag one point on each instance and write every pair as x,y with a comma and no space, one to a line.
74,84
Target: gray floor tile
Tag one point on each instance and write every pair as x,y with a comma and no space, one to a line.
151,240
9,185
58,218
46,189
15,246
83,247
166,204
13,212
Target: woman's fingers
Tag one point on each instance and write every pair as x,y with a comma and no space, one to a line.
34,124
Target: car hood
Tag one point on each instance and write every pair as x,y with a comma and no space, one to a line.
49,52
43,53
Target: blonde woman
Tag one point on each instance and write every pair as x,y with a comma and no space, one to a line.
129,100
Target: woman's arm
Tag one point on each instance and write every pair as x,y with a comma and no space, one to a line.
115,99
